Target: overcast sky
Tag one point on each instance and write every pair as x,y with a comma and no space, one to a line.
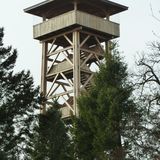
136,26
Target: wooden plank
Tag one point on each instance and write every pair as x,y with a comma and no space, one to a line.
62,83
62,34
99,43
97,58
98,24
69,106
55,89
52,84
87,81
76,70
89,56
90,51
43,87
76,18
60,94
59,51
51,46
70,42
71,85
53,63
84,41
65,90
54,24
69,61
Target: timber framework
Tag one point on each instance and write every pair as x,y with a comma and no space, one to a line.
74,36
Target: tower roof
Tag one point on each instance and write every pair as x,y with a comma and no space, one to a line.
51,8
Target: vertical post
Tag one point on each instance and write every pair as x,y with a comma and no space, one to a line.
76,70
43,18
108,47
75,5
43,75
107,16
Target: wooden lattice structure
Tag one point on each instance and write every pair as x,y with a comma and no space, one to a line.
74,35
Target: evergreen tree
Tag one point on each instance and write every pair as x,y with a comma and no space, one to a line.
17,104
51,141
107,112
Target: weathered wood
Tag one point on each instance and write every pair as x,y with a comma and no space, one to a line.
53,63
99,43
69,106
63,83
76,18
91,76
71,85
60,94
43,87
74,30
59,51
54,80
76,70
51,46
52,8
90,51
65,90
61,34
52,93
85,40
68,59
87,58
54,24
68,40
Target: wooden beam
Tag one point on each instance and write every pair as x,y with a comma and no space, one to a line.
65,90
84,41
71,85
97,58
69,106
62,83
90,51
54,89
68,59
51,46
43,87
76,70
62,34
99,43
93,34
89,56
70,42
60,94
53,63
87,81
59,51
52,84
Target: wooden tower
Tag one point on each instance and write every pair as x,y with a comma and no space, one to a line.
73,34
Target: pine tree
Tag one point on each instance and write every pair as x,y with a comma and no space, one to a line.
17,104
106,113
51,141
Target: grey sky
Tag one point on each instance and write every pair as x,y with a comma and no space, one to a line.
136,27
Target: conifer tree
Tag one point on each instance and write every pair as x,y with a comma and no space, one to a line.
17,104
51,141
106,113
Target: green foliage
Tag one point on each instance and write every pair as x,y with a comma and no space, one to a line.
104,111
17,104
51,141
3,156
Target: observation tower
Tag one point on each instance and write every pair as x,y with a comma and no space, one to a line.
74,35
